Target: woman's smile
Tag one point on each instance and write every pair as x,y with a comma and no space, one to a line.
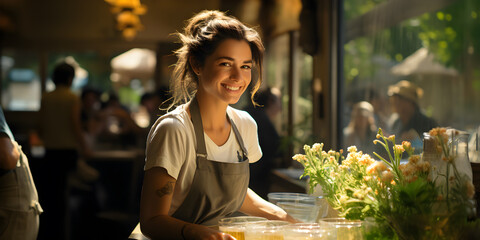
231,88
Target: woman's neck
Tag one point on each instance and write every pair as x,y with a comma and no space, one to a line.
213,112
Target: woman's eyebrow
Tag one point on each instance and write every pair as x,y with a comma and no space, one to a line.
231,59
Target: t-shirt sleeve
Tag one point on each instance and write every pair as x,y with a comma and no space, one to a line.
251,136
166,146
4,126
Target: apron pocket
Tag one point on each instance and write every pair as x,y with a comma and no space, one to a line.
18,224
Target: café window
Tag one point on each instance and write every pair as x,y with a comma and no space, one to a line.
285,69
433,47
21,84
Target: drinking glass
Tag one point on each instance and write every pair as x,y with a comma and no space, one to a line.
310,231
346,229
235,226
301,206
266,230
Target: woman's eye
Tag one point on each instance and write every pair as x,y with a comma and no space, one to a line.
226,64
246,67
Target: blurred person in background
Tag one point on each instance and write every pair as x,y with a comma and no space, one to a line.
409,122
119,128
361,130
61,132
270,105
91,117
381,110
155,103
19,206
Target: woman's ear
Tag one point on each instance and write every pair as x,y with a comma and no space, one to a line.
194,65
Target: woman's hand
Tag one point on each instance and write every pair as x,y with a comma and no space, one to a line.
199,232
254,205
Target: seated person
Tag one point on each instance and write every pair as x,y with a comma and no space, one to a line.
409,123
362,130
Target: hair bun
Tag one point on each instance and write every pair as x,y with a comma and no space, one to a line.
201,20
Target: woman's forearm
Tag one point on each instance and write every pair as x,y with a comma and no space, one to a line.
163,227
166,227
256,206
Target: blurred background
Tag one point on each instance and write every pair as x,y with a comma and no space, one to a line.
322,57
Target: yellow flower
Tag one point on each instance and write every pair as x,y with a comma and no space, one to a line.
306,148
317,147
352,149
380,131
332,159
437,131
398,149
414,159
424,166
433,132
407,169
366,160
376,167
299,157
391,138
406,144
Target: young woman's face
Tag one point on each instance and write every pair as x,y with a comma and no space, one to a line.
227,73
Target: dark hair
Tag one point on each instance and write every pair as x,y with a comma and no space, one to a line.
63,74
264,97
202,35
89,90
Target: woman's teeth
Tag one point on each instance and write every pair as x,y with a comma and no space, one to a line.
232,88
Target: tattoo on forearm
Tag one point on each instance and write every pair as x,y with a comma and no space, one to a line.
165,190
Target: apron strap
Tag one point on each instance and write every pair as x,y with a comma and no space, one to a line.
198,126
239,139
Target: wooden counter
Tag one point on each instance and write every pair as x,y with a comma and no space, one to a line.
288,180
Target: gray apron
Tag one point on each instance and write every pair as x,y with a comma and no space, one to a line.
218,188
19,207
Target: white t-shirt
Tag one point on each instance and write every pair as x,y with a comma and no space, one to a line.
171,144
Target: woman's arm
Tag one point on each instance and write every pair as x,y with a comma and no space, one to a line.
9,154
155,223
256,206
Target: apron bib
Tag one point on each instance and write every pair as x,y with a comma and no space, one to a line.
19,207
218,188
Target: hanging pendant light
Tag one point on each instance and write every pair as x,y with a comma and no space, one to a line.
127,16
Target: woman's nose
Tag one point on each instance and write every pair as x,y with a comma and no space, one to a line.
235,73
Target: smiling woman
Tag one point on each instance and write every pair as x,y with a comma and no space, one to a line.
198,155
226,73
